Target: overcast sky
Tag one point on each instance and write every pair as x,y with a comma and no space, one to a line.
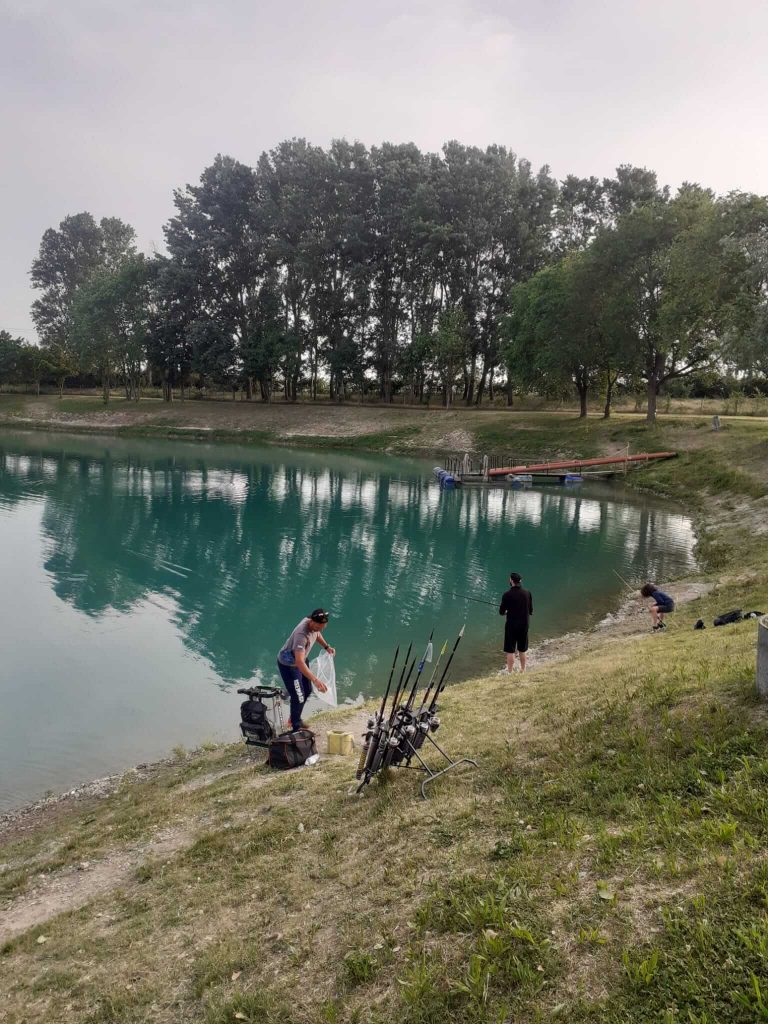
108,105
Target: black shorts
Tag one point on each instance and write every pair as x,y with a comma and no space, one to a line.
515,638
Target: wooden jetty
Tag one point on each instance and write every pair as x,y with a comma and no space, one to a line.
497,470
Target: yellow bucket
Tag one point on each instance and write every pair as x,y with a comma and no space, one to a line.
340,743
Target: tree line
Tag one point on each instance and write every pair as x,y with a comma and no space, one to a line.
357,271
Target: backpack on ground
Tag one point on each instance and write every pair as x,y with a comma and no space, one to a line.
254,724
291,749
728,618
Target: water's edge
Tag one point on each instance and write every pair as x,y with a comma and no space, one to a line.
628,620
554,648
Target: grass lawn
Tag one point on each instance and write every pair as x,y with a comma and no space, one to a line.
604,863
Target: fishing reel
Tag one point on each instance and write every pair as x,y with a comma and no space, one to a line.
394,738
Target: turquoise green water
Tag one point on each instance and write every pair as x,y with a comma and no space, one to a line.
143,581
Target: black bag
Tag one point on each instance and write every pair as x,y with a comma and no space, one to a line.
254,724
728,618
291,749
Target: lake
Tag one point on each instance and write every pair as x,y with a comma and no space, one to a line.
143,581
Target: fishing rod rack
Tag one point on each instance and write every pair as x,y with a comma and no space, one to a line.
413,751
397,735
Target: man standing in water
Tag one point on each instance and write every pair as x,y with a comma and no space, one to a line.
297,676
517,605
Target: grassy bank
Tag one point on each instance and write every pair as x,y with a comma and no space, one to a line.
522,434
605,862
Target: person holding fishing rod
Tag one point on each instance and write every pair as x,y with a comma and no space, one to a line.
517,605
298,678
661,604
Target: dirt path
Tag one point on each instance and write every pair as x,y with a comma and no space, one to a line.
74,887
630,620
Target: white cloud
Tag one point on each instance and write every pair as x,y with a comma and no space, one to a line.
109,106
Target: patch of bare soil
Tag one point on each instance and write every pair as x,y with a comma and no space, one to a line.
73,887
21,820
279,419
295,421
455,442
70,889
725,513
631,619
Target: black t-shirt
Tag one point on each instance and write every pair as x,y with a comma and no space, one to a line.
517,605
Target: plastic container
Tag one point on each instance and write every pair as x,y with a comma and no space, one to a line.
342,743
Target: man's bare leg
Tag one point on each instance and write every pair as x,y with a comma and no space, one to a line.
510,663
521,656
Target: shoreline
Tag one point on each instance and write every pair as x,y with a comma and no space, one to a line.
615,626
586,798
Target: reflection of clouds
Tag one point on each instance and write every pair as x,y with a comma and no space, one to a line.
231,487
323,486
400,495
589,514
363,537
278,485
367,494
18,465
347,494
286,548
514,507
261,539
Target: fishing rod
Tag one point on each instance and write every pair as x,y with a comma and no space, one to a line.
400,694
402,722
418,727
425,695
400,681
463,597
395,740
378,731
373,721
478,600
441,685
389,681
626,583
426,657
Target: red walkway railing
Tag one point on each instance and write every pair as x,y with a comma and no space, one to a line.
568,464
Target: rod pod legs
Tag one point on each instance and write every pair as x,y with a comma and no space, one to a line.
432,775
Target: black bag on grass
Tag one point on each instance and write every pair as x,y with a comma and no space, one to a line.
291,749
728,618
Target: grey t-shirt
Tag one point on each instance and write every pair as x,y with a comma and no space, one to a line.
301,639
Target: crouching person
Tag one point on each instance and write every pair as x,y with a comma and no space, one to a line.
296,674
661,605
